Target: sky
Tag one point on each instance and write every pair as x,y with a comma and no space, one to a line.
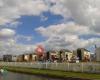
54,24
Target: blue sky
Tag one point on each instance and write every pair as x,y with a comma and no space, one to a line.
30,23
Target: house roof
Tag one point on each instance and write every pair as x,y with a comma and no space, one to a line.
65,50
83,49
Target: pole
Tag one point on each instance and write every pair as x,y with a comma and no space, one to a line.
82,66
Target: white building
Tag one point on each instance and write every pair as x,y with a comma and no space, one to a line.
83,54
27,57
97,52
34,57
14,58
68,55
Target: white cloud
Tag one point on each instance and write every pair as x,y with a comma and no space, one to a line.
65,28
85,12
44,18
86,15
14,9
67,35
13,24
23,38
16,50
59,9
9,45
6,33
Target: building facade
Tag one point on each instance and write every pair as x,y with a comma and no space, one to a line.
83,54
66,55
97,52
7,58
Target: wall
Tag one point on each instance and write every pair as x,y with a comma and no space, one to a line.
77,67
97,54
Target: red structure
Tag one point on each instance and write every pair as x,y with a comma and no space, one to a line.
40,50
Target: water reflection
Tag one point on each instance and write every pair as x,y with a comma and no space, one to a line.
18,76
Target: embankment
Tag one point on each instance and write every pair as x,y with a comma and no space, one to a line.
55,74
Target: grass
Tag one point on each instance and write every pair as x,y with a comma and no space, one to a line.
54,73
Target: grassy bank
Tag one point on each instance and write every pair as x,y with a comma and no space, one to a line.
52,73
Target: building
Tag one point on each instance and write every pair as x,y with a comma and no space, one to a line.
68,55
93,58
1,58
48,55
14,58
83,54
20,58
97,54
7,58
65,55
53,56
27,57
34,57
30,57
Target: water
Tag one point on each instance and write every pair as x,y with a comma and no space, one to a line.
19,76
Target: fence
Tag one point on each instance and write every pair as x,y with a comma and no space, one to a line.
76,67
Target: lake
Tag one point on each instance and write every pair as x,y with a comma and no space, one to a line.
20,76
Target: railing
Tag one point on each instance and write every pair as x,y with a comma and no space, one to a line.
76,67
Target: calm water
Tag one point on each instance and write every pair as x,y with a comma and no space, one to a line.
18,76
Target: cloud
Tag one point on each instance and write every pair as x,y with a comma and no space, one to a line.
6,33
44,18
65,28
13,24
86,16
86,12
23,38
11,47
59,9
14,9
67,35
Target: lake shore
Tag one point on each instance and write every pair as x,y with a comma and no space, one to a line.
55,74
